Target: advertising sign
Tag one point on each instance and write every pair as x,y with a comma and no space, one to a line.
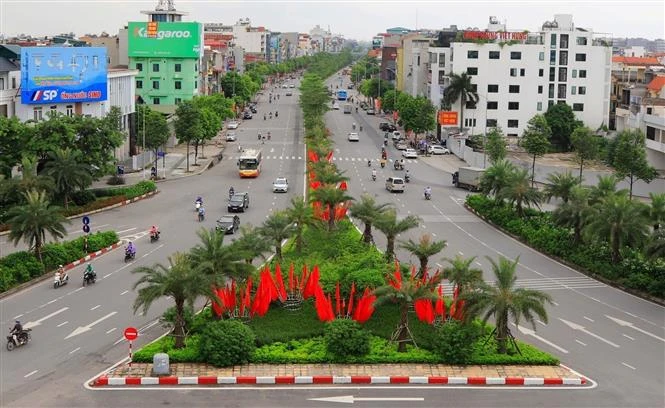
63,74
447,118
170,40
495,35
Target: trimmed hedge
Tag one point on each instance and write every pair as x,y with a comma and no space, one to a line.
226,342
23,266
345,337
109,196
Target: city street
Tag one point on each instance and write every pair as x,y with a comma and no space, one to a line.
612,337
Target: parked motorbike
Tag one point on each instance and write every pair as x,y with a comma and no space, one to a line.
89,277
60,279
129,256
23,339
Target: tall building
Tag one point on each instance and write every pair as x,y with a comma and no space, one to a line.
10,78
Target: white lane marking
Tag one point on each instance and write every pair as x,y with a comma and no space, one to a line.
107,275
83,329
48,316
127,230
75,350
460,252
627,336
96,307
629,366
478,263
62,324
77,290
555,303
30,373
119,341
541,322
124,292
110,331
632,326
533,334
584,344
581,328
589,319
19,316
52,301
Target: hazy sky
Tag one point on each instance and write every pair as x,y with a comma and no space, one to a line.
354,19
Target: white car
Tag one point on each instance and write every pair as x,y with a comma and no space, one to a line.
232,125
397,135
401,145
437,149
410,154
336,106
280,185
353,137
292,86
231,136
284,86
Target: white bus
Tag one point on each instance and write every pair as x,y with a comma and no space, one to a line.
249,163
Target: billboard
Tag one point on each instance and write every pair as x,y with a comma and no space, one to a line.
447,118
162,39
63,75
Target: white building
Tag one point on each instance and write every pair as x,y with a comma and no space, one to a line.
252,39
519,74
10,80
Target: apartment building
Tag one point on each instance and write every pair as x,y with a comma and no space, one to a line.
518,74
10,78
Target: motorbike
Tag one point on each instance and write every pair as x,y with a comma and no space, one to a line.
89,277
23,339
428,196
276,114
373,177
407,178
383,163
154,237
129,256
201,217
369,163
398,165
197,205
60,279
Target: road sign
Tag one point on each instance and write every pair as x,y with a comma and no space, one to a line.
161,154
86,228
131,333
86,220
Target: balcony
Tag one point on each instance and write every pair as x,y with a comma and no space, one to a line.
655,121
653,145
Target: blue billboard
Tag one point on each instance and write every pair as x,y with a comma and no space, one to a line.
63,74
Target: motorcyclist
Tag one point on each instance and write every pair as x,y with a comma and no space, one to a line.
353,126
131,248
428,191
373,174
270,115
60,273
89,271
264,116
154,231
16,331
276,113
199,200
361,128
259,136
369,163
232,191
202,213
268,135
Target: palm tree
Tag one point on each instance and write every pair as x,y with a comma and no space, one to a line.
423,250
404,294
497,177
276,228
574,212
31,222
519,192
607,185
68,172
391,227
328,174
217,261
619,221
330,196
301,215
179,281
655,248
367,211
30,180
560,185
251,244
657,210
462,274
504,301
460,88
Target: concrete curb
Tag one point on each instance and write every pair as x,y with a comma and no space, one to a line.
92,256
334,379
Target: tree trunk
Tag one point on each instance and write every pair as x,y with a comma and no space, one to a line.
533,171
178,324
616,254
299,241
581,167
331,217
187,157
196,151
423,267
403,327
390,248
461,120
502,333
38,248
367,234
278,250
577,236
632,180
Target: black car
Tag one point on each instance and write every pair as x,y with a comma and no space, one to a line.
228,223
239,202
247,115
384,126
253,109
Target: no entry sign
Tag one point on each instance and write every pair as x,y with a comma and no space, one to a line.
131,333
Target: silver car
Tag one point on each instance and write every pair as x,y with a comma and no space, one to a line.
280,185
231,136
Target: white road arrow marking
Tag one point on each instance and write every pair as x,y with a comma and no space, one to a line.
350,399
83,329
36,323
576,326
629,324
532,333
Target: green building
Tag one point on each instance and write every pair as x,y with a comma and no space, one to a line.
167,56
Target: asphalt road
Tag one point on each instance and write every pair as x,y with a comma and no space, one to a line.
625,356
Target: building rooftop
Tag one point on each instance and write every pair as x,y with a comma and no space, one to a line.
7,66
657,83
635,60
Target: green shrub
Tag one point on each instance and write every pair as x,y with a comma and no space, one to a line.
280,324
345,337
7,280
22,266
95,205
83,197
188,354
54,255
168,318
455,341
226,342
142,187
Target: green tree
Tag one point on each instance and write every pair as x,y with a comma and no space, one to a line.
67,172
391,227
30,180
179,281
251,244
619,221
657,210
276,228
586,146
630,159
462,88
13,138
389,100
95,139
606,186
519,193
535,140
655,248
496,178
424,249
560,185
301,215
188,125
156,128
503,301
32,221
462,274
314,96
495,145
574,212
368,211
218,262
58,131
331,197
417,114
561,120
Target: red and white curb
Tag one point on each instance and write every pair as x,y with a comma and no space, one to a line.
332,379
116,205
92,256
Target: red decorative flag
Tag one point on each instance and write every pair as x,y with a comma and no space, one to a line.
312,283
245,299
353,292
459,310
338,304
343,186
281,290
303,278
314,184
424,310
440,307
217,303
329,156
313,157
292,281
396,280
365,307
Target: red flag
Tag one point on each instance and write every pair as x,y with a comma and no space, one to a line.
338,304
281,291
459,310
440,307
330,315
353,292
245,300
313,157
424,311
314,184
343,186
365,307
329,156
292,282
396,280
216,306
312,283
303,278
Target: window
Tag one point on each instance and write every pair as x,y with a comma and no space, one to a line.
490,123
540,89
581,90
541,56
515,55
472,71
574,73
573,90
552,40
550,93
552,74
155,67
139,84
495,55
492,105
578,107
582,73
513,105
472,54
139,66
178,84
37,113
13,83
651,133
442,60
563,41
539,106
54,109
178,100
522,71
69,109
580,57
514,89
563,74
470,105
541,72
550,103
178,67
561,91
563,57
155,101
155,84
581,40
492,88
469,122
474,88
552,57
2,84
513,72
513,123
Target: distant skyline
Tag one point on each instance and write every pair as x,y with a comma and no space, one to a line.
359,20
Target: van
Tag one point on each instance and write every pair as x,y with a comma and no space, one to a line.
347,108
394,184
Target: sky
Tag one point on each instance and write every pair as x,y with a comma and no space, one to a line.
359,20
